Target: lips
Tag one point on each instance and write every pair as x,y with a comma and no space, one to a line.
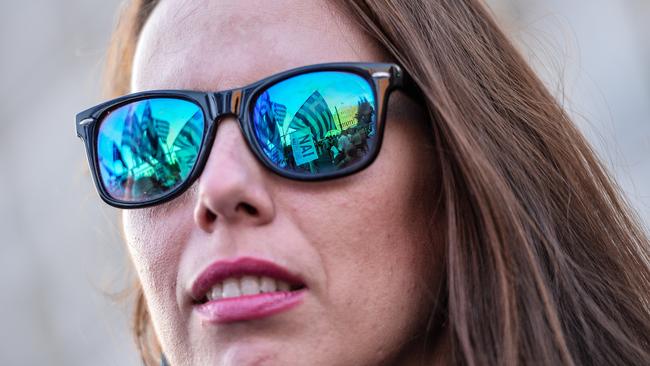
239,306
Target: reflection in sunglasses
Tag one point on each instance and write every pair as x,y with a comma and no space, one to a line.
149,147
331,128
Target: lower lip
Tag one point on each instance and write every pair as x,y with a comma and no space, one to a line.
249,307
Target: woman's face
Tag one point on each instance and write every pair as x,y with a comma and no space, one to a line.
363,246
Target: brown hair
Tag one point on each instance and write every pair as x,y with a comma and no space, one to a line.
546,262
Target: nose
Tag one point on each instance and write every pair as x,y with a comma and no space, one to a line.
232,187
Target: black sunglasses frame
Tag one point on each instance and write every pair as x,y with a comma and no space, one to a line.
383,77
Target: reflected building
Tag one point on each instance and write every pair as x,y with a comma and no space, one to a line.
364,112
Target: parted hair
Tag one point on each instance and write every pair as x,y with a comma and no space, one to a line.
546,262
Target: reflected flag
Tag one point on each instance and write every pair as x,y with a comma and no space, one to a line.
279,113
162,127
187,143
150,146
117,155
131,135
267,115
315,115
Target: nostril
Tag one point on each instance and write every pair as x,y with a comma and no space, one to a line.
210,216
205,218
248,208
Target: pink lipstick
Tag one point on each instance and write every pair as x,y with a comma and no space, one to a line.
245,289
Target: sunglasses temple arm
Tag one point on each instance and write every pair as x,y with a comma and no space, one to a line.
406,83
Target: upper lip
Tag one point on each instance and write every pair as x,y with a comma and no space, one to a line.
238,267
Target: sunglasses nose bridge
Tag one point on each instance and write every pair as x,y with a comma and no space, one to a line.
227,102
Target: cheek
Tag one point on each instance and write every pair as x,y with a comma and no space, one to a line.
371,242
372,232
155,238
155,242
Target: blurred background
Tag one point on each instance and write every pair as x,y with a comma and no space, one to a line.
61,255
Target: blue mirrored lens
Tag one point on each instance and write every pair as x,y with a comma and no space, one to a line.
317,123
148,148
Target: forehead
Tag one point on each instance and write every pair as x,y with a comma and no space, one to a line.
216,45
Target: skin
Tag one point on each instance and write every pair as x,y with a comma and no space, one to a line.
366,245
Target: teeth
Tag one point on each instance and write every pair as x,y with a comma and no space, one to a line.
250,285
231,288
216,292
267,284
247,285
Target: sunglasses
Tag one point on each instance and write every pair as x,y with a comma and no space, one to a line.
311,123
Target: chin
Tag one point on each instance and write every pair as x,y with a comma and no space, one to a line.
256,355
